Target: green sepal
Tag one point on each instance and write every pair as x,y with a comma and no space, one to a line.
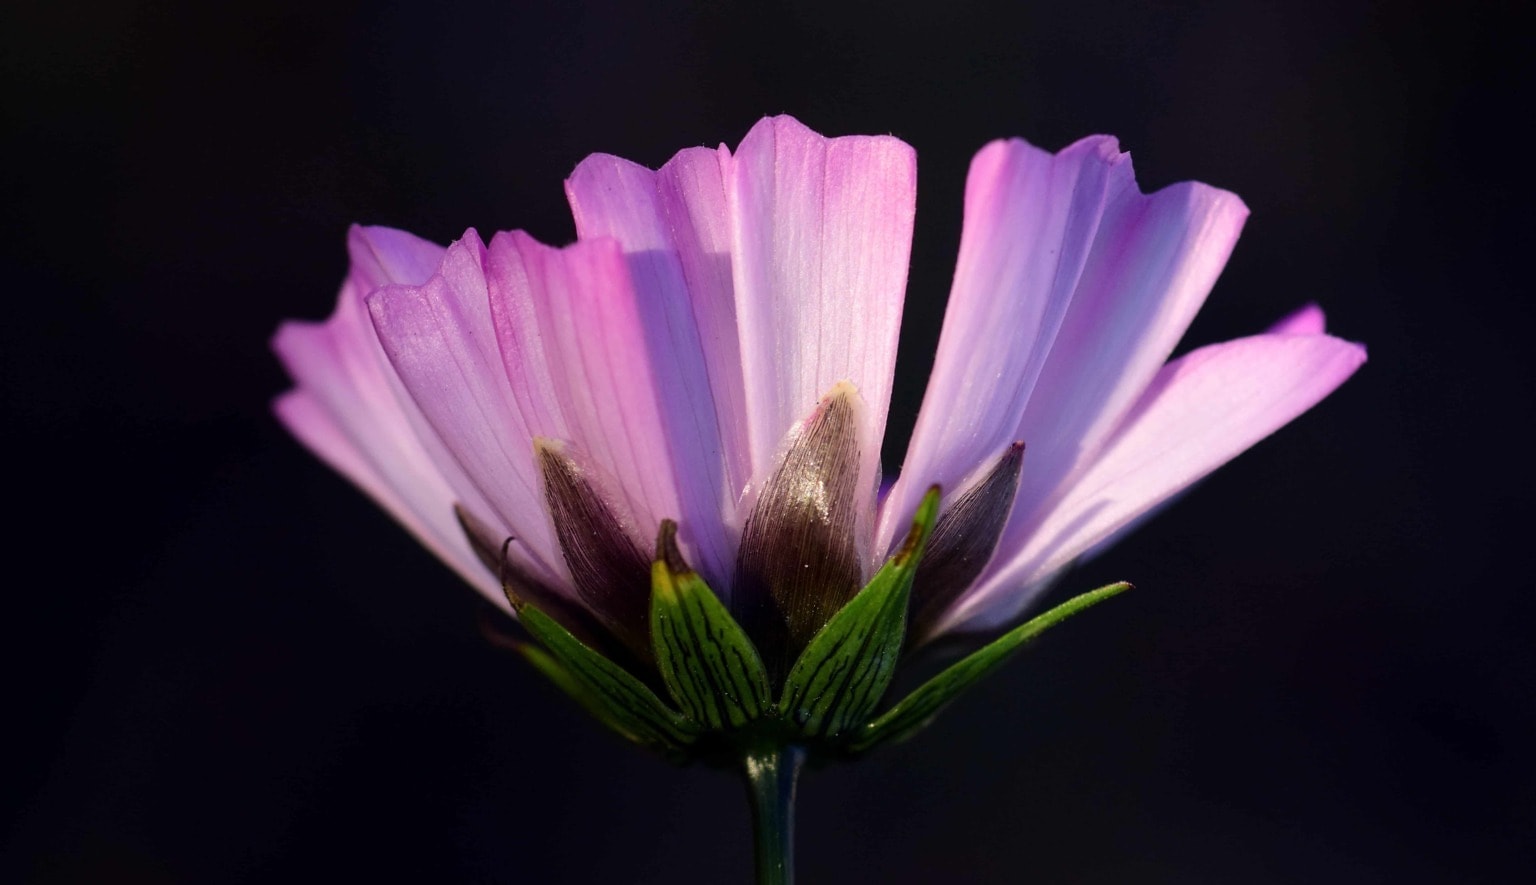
563,680
848,664
918,708
615,697
711,668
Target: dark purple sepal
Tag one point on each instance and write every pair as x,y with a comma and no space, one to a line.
522,587
962,543
799,559
611,574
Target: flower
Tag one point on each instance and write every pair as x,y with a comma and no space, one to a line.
710,365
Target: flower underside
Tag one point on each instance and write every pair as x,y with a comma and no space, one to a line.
707,370
725,701
807,648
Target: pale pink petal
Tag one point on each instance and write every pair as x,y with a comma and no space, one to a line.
792,259
1199,412
440,339
1030,220
674,229
691,188
822,230
309,420
347,410
382,256
1307,320
576,312
1154,261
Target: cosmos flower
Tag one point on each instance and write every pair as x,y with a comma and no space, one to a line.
707,371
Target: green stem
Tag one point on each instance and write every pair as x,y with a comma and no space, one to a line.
771,774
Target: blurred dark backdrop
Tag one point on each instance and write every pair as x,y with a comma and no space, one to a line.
228,667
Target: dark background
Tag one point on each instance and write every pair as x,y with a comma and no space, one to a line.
227,666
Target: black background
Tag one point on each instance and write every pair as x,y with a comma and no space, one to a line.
227,666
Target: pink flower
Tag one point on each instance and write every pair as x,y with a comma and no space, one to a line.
717,349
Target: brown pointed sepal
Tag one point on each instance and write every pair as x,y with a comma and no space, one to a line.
963,540
520,586
609,570
799,559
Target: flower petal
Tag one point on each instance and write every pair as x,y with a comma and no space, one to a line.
1201,411
440,339
1153,263
691,187
1307,320
821,234
350,407
589,365
675,233
382,256
1030,220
